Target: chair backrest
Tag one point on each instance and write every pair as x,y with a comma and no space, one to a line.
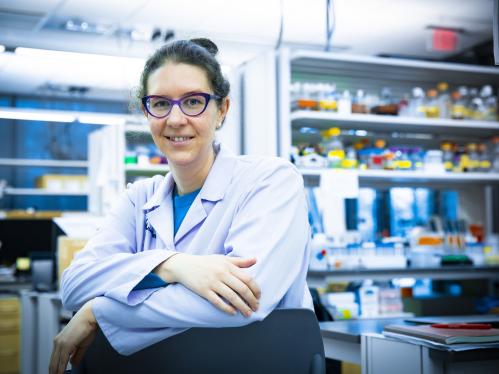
287,341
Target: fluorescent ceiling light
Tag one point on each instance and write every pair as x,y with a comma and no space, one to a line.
62,116
101,119
36,115
2,48
76,56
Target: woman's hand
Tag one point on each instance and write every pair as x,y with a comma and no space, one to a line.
73,341
219,279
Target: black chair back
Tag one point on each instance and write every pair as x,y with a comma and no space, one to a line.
287,341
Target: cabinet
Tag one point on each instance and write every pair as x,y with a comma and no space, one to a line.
43,157
9,335
371,74
108,172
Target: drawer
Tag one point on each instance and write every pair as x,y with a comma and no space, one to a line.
9,361
9,307
9,343
9,326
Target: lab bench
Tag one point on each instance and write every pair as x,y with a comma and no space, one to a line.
361,342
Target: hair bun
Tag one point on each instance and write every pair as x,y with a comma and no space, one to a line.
206,44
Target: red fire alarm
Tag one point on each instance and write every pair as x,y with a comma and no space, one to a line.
444,40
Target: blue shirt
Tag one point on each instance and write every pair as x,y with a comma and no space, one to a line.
181,205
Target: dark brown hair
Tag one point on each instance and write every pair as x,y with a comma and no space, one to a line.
198,52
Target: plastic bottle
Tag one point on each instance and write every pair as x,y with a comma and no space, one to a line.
345,103
308,101
489,102
417,103
448,156
432,104
416,156
328,101
458,108
495,154
359,103
376,155
404,106
472,104
474,160
444,102
484,157
334,147
350,160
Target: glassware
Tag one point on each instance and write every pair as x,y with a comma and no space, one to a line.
432,105
444,103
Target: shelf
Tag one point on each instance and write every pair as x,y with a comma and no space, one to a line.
389,124
41,192
391,69
441,272
43,163
393,176
137,169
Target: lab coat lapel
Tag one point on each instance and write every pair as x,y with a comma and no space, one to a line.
159,212
213,190
195,215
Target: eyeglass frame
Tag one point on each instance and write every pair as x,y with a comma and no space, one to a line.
177,102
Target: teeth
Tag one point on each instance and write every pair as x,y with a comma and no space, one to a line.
179,138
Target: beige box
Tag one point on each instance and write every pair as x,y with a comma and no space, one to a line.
66,249
56,182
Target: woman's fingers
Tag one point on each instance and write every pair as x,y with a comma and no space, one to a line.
242,262
59,359
243,291
227,292
248,280
54,360
217,301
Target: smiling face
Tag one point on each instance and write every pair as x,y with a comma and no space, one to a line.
186,141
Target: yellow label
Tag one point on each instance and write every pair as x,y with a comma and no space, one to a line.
432,112
464,162
404,164
338,153
485,164
448,165
458,111
349,164
328,105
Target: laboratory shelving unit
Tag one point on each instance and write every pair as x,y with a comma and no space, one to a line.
42,163
371,74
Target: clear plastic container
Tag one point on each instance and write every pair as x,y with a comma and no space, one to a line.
448,156
416,106
495,154
433,161
432,104
444,102
334,147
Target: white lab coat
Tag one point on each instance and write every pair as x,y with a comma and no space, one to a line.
249,206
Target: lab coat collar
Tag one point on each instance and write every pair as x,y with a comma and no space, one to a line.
213,190
220,175
214,187
158,208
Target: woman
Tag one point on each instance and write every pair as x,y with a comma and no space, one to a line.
191,249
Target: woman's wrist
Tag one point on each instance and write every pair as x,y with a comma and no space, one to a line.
88,311
167,269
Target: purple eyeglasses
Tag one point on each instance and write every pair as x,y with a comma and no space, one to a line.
191,105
